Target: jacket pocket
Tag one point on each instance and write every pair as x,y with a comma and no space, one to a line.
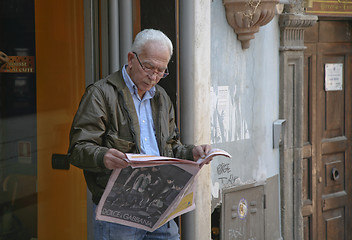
120,144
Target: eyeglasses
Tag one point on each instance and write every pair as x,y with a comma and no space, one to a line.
151,71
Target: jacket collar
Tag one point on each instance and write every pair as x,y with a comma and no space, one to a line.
116,79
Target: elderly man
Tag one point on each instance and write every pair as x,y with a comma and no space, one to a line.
127,112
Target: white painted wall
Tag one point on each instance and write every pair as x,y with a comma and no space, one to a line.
245,102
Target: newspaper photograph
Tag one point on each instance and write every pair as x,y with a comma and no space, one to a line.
147,197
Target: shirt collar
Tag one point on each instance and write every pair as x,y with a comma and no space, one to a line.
133,88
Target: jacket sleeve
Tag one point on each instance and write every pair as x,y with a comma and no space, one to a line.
183,151
86,149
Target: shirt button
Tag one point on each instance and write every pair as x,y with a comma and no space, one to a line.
145,139
143,121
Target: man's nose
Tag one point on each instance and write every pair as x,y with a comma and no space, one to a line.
153,76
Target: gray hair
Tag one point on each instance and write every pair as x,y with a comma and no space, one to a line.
143,37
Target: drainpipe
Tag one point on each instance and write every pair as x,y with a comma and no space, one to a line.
114,51
195,106
186,97
91,74
125,27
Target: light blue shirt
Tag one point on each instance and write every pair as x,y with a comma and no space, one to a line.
143,107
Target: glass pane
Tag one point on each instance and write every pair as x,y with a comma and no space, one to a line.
41,83
18,132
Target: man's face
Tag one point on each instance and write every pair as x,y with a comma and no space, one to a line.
153,57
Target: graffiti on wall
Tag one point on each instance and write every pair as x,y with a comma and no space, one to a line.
225,178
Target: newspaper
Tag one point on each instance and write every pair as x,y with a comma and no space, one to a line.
151,191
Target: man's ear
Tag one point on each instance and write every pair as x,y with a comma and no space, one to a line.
130,56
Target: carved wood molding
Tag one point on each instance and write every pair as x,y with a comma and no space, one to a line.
246,16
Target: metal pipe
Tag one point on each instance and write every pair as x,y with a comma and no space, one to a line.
187,94
125,27
91,75
91,43
104,38
114,41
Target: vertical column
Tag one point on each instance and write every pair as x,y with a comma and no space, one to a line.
195,105
291,108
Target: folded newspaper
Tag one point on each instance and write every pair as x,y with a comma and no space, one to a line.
152,190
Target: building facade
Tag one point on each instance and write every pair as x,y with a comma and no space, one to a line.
267,81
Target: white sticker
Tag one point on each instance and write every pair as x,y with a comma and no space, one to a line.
333,76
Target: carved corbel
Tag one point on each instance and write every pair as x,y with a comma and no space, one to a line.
292,28
246,16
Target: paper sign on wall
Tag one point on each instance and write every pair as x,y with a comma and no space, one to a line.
333,76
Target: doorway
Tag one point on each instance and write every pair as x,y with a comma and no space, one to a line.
327,169
166,21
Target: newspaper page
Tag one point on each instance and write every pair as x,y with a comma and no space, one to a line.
152,191
146,197
186,203
143,160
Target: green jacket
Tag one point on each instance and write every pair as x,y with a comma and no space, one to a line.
106,118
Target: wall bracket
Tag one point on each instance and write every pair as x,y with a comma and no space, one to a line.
246,16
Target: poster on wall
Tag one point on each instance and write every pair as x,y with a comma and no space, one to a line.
333,77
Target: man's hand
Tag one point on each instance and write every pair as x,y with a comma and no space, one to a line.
200,151
114,159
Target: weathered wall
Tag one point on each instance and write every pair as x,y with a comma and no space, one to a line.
245,103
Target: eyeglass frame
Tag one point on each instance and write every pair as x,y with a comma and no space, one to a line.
147,70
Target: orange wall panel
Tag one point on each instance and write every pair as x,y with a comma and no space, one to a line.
62,205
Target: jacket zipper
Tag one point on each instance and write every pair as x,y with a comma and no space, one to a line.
130,123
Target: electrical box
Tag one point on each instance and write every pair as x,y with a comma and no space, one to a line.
243,213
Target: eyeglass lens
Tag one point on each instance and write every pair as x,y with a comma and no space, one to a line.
150,71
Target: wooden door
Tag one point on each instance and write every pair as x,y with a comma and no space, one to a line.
327,187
